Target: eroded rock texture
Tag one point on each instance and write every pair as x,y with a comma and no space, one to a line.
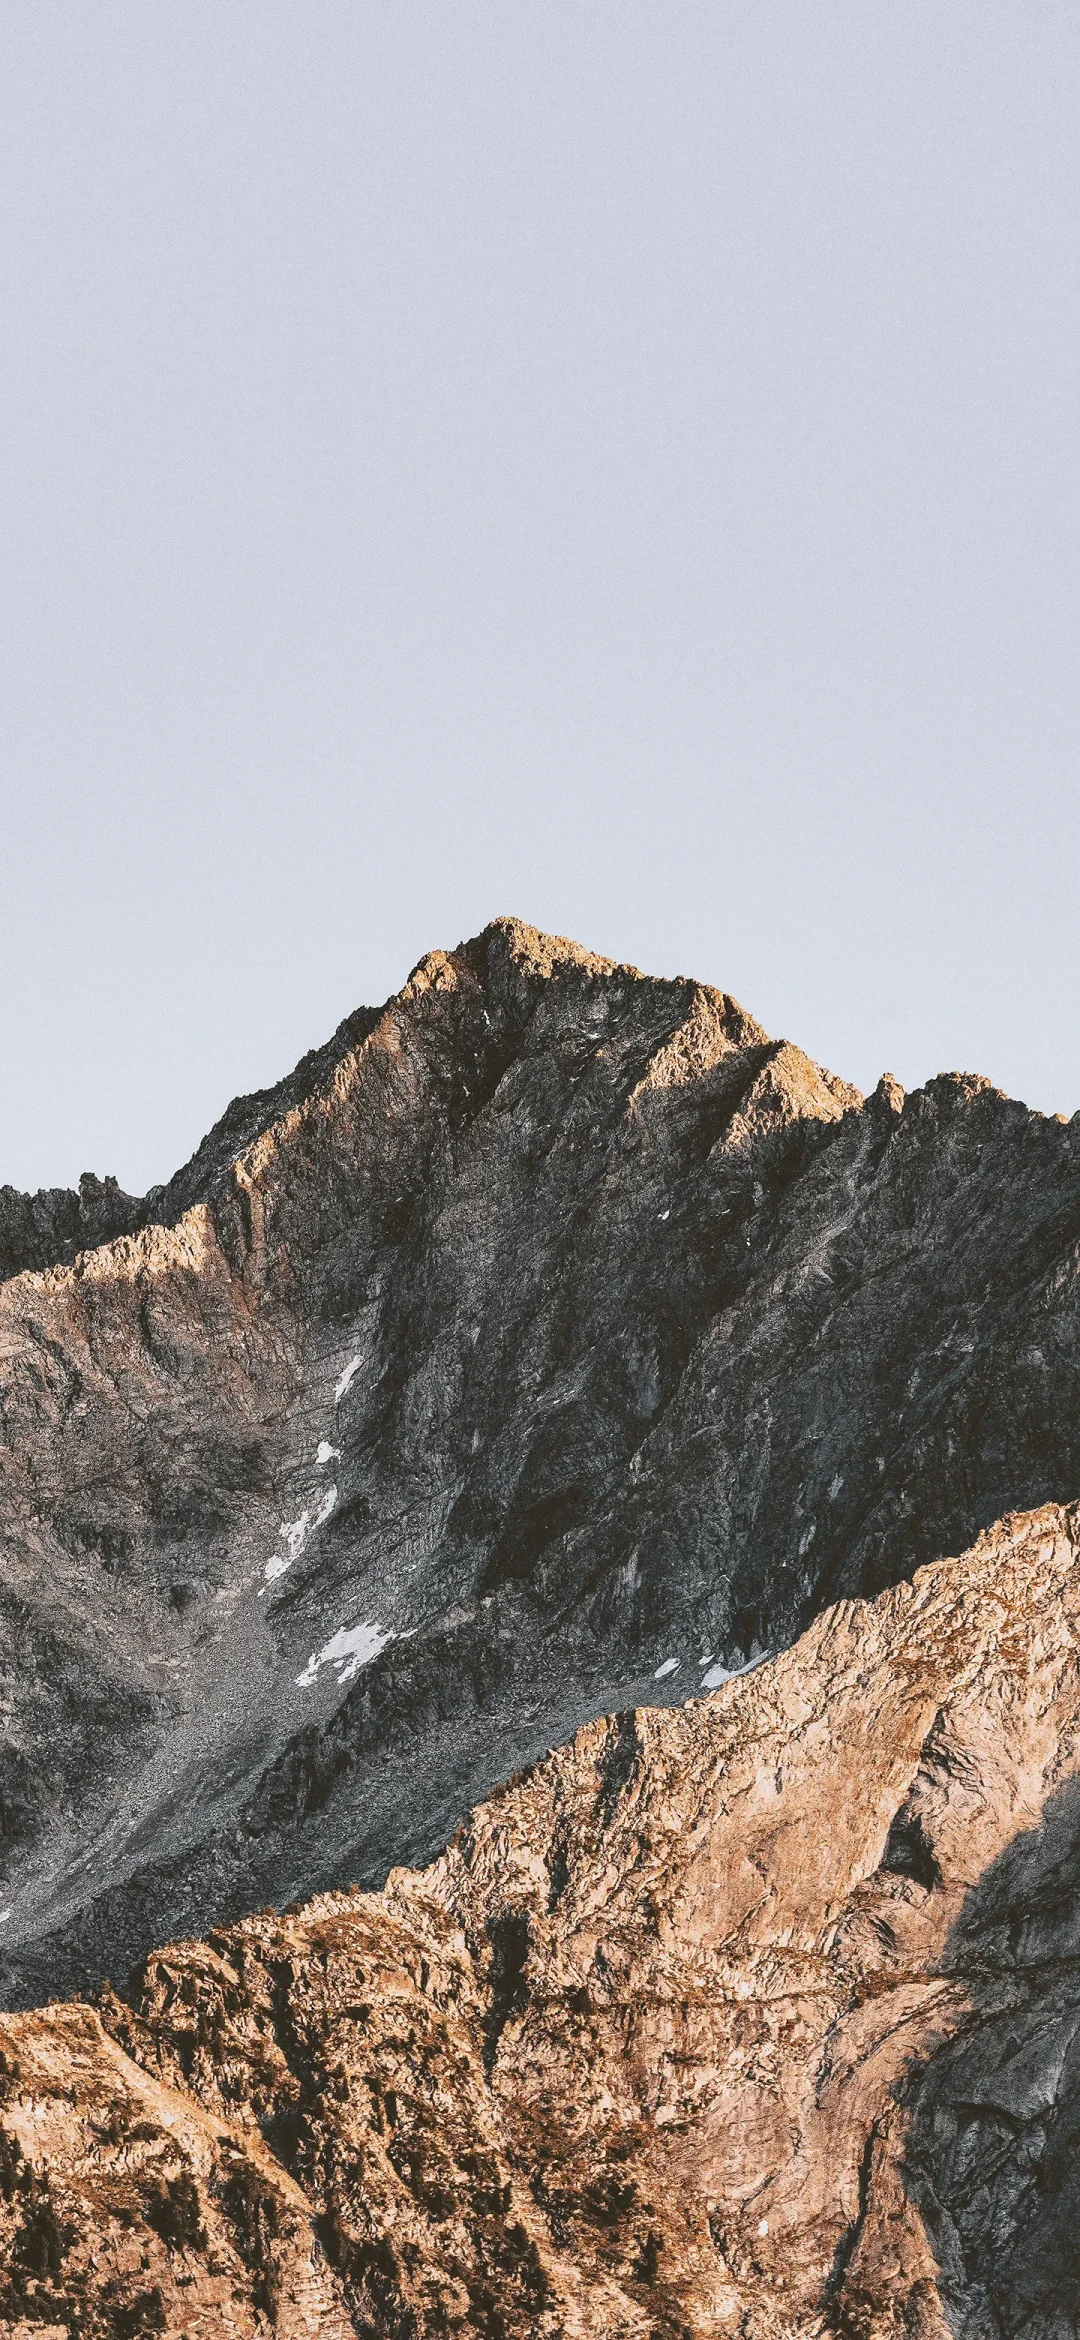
757,2016
549,1327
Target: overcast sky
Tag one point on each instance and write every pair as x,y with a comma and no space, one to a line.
612,463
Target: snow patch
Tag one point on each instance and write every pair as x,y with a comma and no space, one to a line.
296,1533
718,1675
325,1509
670,1666
351,1370
326,1453
4,1916
349,1649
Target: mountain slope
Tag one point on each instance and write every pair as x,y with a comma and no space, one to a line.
549,1327
759,2015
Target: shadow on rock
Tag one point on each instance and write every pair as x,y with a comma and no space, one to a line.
991,2159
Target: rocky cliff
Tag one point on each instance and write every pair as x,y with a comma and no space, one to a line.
757,2016
550,1341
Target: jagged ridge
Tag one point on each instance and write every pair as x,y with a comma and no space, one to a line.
630,1336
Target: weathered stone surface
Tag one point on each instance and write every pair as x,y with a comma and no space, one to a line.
41,1230
759,2015
546,1327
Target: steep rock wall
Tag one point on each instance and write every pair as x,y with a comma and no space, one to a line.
551,1327
759,2015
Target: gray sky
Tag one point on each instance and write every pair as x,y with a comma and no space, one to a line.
613,463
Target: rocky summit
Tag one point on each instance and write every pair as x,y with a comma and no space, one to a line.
551,1358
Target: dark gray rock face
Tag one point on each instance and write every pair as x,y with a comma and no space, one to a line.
549,1326
44,1229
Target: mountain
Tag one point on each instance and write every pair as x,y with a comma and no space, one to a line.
550,1342
758,2015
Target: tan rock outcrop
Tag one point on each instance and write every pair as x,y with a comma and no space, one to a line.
759,2015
